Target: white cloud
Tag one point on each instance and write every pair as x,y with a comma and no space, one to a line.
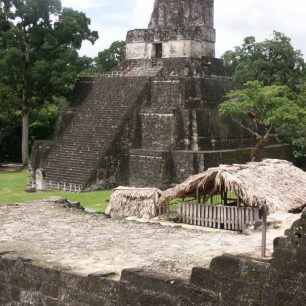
142,13
234,20
85,4
119,17
108,34
237,19
116,24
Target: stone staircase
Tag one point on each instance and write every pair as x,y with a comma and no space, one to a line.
149,68
144,71
97,122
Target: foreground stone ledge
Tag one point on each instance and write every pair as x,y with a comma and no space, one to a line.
230,280
21,281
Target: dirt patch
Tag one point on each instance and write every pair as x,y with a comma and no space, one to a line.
84,243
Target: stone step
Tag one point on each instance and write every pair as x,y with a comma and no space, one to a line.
77,177
72,165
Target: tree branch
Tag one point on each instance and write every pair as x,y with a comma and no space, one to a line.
268,131
246,128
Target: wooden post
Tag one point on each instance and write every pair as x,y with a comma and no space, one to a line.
198,196
264,230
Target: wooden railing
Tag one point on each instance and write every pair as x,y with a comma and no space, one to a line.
64,186
164,210
101,74
222,217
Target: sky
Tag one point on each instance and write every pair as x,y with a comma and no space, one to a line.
234,20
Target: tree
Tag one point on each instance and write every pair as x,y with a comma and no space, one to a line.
111,57
273,61
9,121
38,58
268,111
299,142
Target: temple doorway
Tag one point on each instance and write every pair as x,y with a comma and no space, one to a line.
158,50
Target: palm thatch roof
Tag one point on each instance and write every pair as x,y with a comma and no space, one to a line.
277,183
133,202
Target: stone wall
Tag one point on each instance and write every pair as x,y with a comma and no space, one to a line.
181,133
171,49
279,282
181,67
191,42
230,281
182,114
150,168
153,168
184,28
194,33
174,13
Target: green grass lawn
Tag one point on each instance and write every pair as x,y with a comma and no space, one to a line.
12,186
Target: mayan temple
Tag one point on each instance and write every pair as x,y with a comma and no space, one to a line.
153,121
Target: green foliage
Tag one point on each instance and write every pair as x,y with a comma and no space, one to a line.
38,57
9,122
111,57
72,28
274,75
273,61
299,143
269,110
12,191
43,121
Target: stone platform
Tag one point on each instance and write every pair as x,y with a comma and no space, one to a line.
51,234
55,254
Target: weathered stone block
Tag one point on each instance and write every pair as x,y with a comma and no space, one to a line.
71,286
283,298
154,282
280,242
103,287
230,264
9,293
285,259
7,264
206,278
191,295
132,296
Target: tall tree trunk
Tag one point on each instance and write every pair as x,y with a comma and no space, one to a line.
26,99
25,129
25,139
261,143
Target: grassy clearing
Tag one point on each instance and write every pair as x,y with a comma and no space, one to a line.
12,187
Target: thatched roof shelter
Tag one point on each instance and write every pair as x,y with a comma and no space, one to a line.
133,202
277,183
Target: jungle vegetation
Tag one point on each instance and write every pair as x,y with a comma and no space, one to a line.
271,103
